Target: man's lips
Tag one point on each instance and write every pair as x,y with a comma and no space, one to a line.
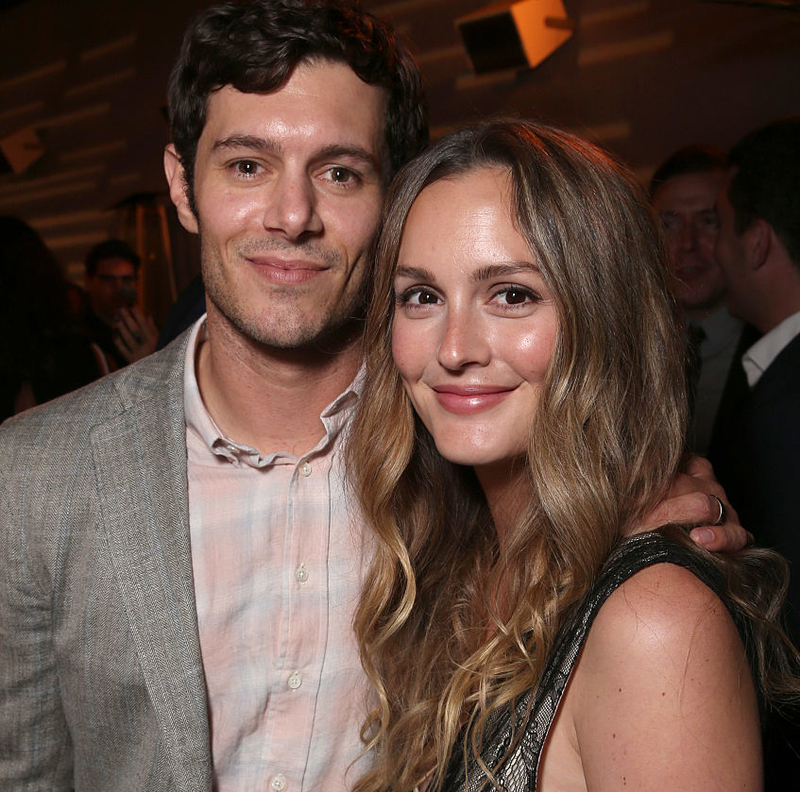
469,399
690,271
282,271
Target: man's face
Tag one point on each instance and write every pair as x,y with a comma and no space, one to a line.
113,286
731,254
288,188
685,204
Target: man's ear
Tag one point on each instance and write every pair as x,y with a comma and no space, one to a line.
757,239
173,168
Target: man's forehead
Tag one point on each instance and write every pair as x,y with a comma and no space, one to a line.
114,264
327,92
689,191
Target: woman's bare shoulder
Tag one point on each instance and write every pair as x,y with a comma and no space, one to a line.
662,602
663,677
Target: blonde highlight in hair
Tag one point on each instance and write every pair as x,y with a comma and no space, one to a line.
451,626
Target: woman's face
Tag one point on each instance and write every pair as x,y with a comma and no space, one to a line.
474,324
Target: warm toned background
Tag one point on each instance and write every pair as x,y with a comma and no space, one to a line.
640,77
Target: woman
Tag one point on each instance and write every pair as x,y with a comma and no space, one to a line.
534,410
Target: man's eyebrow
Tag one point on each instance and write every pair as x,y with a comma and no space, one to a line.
249,142
266,146
343,151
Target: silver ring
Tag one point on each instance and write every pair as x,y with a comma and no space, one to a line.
721,516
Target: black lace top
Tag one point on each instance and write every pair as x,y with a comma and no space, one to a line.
537,708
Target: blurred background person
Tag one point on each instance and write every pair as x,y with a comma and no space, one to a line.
759,250
684,190
758,247
114,322
42,355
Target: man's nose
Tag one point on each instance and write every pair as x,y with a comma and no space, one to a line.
687,236
291,206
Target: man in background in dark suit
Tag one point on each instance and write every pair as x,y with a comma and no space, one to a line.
758,459
684,191
758,246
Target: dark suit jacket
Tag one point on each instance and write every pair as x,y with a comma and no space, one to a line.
101,681
758,462
756,457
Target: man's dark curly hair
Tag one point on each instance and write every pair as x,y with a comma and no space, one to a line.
255,45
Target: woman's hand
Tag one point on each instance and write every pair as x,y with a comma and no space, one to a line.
694,499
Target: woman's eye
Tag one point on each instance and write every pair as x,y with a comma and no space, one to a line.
515,295
417,297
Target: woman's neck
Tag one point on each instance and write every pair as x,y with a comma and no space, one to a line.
507,492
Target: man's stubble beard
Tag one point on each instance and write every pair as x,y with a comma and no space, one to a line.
340,325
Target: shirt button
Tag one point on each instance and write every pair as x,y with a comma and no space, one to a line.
278,783
295,681
305,469
301,574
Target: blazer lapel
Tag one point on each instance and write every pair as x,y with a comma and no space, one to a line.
140,458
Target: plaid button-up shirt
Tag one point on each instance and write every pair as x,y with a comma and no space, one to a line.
278,557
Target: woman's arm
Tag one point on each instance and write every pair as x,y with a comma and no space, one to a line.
662,697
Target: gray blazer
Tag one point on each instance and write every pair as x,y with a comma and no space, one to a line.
101,681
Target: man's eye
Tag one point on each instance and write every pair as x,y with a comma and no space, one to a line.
341,175
246,167
709,220
671,223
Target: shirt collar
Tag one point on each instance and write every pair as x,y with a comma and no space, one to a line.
720,329
199,421
762,354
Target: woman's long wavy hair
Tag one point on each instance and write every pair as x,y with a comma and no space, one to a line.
452,626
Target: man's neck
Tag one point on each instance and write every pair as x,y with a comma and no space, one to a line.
268,398
697,315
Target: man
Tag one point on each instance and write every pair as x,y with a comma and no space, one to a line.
684,190
120,332
182,565
759,249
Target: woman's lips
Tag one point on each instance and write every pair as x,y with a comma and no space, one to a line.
466,400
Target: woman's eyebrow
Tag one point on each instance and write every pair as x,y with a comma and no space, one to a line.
501,270
484,273
414,273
